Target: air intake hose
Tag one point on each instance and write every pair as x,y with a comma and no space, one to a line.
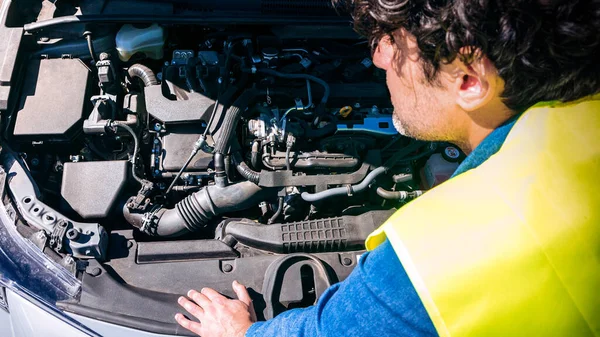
194,212
143,73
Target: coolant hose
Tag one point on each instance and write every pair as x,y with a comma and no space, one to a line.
143,73
244,170
397,195
228,127
348,190
232,116
194,212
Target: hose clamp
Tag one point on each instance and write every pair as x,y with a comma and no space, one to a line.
349,190
149,221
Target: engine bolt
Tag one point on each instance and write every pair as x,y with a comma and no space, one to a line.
129,244
346,261
227,268
72,234
35,162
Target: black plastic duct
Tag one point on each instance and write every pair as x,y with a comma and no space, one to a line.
194,212
310,236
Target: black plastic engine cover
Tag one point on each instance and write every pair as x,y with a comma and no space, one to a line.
177,146
54,99
92,189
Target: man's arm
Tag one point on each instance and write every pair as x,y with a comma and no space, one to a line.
377,299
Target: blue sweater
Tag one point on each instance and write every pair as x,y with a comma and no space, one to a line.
377,299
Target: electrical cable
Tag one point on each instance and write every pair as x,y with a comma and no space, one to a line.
88,37
135,149
197,146
278,212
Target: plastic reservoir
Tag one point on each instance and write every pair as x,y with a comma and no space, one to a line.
436,171
131,40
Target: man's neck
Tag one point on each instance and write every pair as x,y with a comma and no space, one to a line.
481,123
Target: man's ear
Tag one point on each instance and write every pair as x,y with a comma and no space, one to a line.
477,82
384,54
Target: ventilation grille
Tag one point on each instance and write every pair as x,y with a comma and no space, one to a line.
325,235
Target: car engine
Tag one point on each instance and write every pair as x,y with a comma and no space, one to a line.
269,142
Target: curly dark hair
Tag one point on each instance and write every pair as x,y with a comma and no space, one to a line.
543,49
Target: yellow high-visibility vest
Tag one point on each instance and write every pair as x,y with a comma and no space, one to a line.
512,247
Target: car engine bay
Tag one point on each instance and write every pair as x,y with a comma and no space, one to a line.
149,158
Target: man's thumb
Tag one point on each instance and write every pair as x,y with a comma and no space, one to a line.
242,293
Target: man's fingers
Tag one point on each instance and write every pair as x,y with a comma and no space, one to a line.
198,298
213,295
190,325
191,307
242,293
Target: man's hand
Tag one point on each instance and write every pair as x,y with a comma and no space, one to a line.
218,315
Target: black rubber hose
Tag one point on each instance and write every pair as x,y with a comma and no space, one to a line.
194,212
348,190
351,189
397,195
143,73
255,155
231,119
244,170
278,212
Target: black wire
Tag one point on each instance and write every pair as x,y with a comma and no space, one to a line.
278,212
135,149
187,162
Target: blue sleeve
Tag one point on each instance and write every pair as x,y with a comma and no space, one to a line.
377,299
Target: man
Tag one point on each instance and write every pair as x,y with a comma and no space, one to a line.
510,246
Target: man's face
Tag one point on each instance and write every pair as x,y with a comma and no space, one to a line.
422,110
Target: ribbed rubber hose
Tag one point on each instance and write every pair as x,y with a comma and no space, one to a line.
143,73
244,170
232,116
194,212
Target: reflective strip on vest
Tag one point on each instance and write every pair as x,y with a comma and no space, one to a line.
512,247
